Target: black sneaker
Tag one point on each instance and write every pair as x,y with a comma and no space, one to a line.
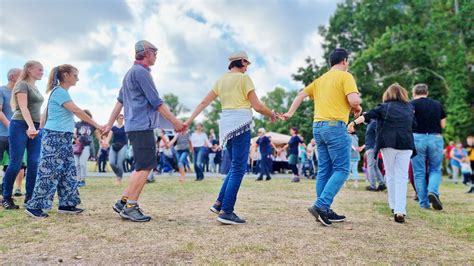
69,210
399,218
295,179
321,216
435,202
134,213
215,208
335,218
9,204
381,187
470,191
259,178
369,188
36,213
268,178
118,206
230,218
18,193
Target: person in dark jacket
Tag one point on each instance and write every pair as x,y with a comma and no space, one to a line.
395,121
373,171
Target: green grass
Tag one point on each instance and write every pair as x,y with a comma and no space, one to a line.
279,229
457,218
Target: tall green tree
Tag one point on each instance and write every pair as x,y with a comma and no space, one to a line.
173,103
410,42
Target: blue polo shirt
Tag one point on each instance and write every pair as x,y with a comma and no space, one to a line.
140,99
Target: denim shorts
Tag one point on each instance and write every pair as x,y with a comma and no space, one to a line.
144,149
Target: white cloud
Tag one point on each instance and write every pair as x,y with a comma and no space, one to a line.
193,37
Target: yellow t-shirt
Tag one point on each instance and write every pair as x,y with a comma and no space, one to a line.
329,93
233,89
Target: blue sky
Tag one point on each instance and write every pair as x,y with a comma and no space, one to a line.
194,39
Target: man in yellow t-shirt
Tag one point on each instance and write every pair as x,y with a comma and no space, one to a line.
335,95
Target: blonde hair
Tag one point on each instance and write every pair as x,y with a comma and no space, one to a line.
24,75
395,92
57,75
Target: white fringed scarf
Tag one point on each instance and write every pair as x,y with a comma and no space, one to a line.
234,122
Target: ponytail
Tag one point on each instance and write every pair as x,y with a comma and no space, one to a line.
53,80
56,76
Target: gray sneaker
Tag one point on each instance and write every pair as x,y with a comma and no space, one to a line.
231,218
118,206
134,213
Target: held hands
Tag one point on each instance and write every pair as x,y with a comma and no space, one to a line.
32,132
351,127
180,126
357,111
276,116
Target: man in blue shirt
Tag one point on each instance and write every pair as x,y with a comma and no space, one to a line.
142,108
6,110
265,146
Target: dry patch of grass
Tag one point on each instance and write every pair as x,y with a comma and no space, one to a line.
279,229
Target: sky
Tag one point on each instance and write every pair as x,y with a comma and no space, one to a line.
194,39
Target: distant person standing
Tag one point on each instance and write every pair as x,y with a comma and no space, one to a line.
265,146
447,156
458,154
26,104
470,151
183,147
141,103
293,151
373,171
6,110
103,154
200,145
83,133
335,96
355,158
430,120
118,149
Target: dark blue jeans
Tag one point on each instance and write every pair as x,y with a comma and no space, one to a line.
19,141
238,149
199,153
265,165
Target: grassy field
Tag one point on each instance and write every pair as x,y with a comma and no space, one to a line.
279,229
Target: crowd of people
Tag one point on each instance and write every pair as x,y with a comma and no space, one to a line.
403,140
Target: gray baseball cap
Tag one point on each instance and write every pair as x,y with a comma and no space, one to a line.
142,46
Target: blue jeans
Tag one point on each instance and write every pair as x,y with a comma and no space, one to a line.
19,141
238,149
182,157
429,147
334,151
354,170
199,153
